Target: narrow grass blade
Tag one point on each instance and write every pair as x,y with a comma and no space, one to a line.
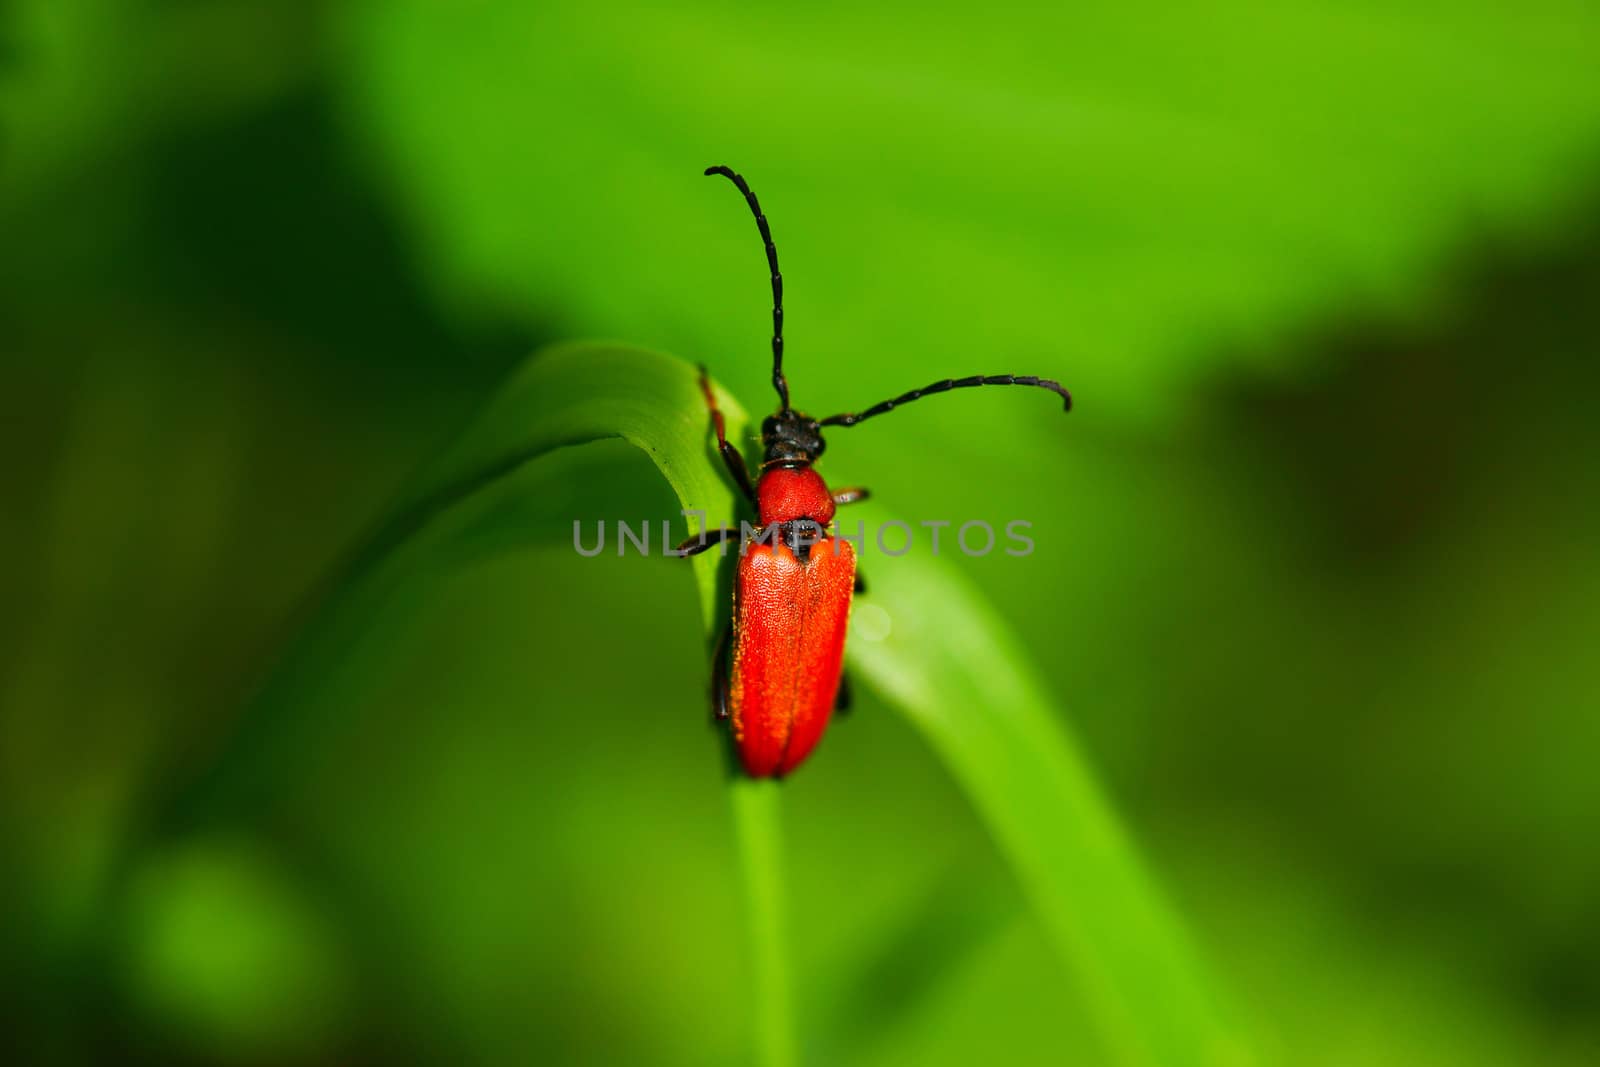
945,659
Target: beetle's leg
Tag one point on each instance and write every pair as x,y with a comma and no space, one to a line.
852,495
693,546
720,706
731,456
843,699
861,583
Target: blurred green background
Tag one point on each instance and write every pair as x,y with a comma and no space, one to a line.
1316,580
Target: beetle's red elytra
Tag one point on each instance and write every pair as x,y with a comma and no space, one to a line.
790,616
779,668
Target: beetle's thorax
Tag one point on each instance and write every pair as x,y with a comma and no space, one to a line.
792,492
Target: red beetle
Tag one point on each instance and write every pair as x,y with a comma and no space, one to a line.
795,581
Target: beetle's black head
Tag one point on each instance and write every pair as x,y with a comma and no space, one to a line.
791,437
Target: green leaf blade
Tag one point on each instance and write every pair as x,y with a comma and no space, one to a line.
572,394
950,665
946,661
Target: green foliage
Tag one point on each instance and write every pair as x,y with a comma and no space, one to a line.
1147,196
950,664
1312,577
936,650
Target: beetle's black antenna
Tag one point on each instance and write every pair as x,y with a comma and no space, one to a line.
778,381
851,418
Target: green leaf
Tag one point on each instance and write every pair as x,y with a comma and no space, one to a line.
568,396
934,647
922,636
1130,198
